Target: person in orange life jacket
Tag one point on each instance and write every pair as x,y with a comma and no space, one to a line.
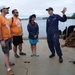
33,30
16,31
53,32
5,37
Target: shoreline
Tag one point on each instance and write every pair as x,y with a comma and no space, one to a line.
44,18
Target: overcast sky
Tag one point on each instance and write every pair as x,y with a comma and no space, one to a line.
28,7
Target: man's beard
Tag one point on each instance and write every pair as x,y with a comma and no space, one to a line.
16,15
7,13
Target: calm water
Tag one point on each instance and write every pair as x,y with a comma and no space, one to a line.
42,26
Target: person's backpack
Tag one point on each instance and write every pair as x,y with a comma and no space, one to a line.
12,19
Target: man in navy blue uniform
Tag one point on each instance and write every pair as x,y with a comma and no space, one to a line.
53,32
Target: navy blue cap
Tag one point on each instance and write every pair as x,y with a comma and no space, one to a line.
50,8
32,17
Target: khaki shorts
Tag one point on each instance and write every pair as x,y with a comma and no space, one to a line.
8,46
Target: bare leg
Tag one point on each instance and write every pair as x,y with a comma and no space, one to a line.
6,57
35,54
20,48
15,49
32,47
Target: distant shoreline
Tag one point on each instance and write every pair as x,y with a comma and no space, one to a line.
44,18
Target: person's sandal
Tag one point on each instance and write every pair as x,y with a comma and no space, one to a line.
10,72
17,56
22,53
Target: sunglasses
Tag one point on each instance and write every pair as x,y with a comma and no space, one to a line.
16,12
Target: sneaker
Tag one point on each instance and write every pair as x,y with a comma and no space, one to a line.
52,55
36,55
11,64
17,56
22,53
60,60
10,72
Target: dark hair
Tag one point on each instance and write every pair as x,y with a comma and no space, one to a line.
31,17
0,10
14,10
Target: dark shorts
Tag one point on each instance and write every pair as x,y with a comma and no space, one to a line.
17,40
8,46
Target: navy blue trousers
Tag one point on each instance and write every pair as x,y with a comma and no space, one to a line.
54,44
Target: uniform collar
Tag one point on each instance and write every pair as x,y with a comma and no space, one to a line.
52,16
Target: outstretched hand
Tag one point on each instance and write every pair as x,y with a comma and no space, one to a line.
64,10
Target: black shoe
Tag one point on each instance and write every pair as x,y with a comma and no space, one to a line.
73,62
17,56
22,53
60,60
52,55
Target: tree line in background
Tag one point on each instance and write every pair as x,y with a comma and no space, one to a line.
69,17
72,17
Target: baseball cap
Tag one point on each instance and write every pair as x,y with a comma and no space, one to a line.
2,7
32,16
50,8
